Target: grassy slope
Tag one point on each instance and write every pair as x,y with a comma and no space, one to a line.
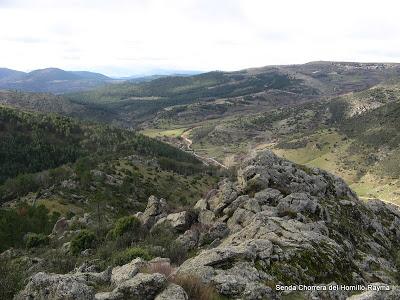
354,136
365,148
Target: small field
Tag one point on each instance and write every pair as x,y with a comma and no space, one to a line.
155,132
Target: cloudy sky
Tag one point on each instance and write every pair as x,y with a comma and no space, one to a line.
121,37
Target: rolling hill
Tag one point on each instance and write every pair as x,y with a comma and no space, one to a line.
51,80
353,136
101,210
8,74
308,113
351,107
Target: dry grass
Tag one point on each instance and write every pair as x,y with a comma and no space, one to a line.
161,267
193,286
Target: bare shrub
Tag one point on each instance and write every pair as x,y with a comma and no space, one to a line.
161,267
195,288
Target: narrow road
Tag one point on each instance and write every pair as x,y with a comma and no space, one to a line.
206,160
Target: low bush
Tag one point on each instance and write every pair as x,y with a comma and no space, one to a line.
34,240
15,223
129,254
126,224
163,237
176,252
84,240
57,261
125,241
11,279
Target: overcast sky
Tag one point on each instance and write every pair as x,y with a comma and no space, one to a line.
121,37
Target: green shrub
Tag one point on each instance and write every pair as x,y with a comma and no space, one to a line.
56,261
126,224
84,240
19,185
129,254
176,252
164,238
34,240
15,223
161,235
11,279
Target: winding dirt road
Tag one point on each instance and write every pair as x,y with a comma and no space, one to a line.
205,160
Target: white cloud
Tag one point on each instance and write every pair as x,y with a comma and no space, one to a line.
121,37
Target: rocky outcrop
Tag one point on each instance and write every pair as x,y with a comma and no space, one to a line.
156,209
127,282
61,226
278,224
128,271
290,224
57,287
179,221
142,286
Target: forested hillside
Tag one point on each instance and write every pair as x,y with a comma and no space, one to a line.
54,166
32,142
134,103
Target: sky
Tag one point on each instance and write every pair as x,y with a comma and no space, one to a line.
122,38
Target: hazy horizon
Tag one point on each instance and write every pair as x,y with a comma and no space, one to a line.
151,72
123,38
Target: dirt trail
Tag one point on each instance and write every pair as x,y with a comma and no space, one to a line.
206,160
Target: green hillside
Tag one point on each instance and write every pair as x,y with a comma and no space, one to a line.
135,103
32,142
54,166
354,136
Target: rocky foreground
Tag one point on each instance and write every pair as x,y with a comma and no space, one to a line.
278,224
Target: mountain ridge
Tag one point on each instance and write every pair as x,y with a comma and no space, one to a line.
51,80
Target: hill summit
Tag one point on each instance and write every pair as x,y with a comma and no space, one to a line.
51,80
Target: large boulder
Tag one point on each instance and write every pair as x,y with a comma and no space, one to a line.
91,277
120,274
155,210
172,292
142,286
61,226
180,221
56,287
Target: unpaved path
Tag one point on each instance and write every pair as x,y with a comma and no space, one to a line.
206,160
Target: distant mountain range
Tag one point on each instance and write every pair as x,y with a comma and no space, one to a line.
59,81
51,80
158,73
